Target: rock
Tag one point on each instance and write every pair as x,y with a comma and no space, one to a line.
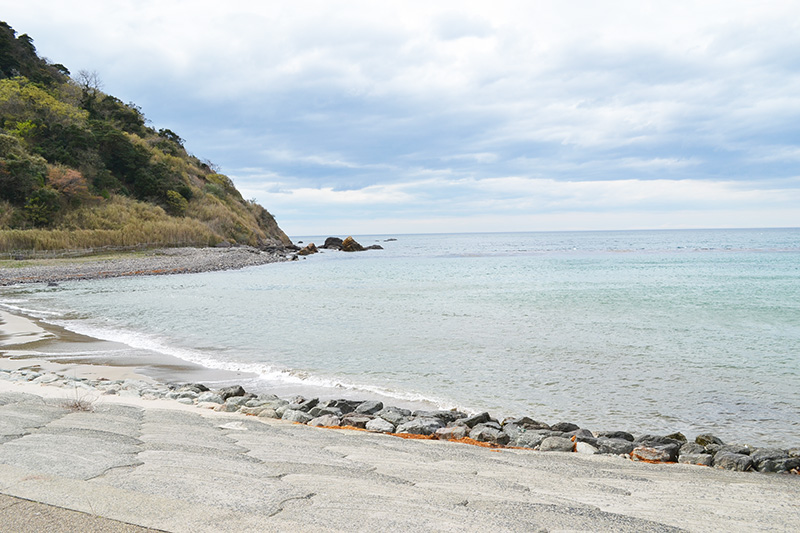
702,459
666,453
556,444
741,449
773,460
615,435
369,407
585,447
311,248
237,401
379,425
252,411
319,411
304,405
294,415
194,387
733,461
421,426
474,420
706,439
452,433
529,439
656,440
226,407
581,435
228,392
678,436
268,412
489,433
447,416
564,427
325,421
374,247
356,420
526,423
614,446
691,448
333,243
345,406
395,415
350,245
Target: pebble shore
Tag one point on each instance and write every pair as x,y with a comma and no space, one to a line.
150,263
478,429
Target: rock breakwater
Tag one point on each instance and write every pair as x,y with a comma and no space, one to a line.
449,425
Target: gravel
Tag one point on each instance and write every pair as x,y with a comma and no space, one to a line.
153,262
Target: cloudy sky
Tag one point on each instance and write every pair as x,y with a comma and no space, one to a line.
403,116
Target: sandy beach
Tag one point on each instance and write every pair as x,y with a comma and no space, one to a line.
134,463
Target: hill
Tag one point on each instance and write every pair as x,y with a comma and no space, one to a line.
81,169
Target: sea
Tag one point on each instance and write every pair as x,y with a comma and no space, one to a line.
696,331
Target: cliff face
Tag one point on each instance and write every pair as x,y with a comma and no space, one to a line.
79,168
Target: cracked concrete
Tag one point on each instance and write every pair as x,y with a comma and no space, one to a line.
178,469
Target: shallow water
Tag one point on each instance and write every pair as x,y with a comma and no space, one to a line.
647,331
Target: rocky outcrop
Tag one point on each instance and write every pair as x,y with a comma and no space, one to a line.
311,248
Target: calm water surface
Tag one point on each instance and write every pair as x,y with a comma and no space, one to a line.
647,331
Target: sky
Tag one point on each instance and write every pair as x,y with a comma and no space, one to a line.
383,117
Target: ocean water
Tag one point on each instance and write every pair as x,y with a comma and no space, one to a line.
646,331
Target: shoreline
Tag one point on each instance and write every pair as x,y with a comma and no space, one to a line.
156,262
184,383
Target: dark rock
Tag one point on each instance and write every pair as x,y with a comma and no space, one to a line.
665,453
489,433
304,405
311,248
706,439
583,435
374,247
564,427
692,448
320,411
447,416
526,423
556,444
421,426
529,439
474,420
656,440
294,415
395,415
680,437
702,459
194,387
730,448
773,460
229,392
350,245
345,406
325,421
379,425
356,420
333,243
733,461
615,435
369,407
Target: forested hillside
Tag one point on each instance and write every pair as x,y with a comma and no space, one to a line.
81,169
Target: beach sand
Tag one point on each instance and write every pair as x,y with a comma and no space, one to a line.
172,467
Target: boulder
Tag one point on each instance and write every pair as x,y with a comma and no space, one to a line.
526,423
702,459
615,435
194,387
395,415
452,433
379,425
294,415
665,453
585,447
529,439
369,407
773,460
304,405
421,426
657,440
268,412
374,247
614,446
556,444
447,416
210,397
333,243
324,421
356,420
706,439
678,436
308,250
319,411
564,427
692,448
350,245
474,420
741,449
583,435
229,392
733,461
488,433
345,406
